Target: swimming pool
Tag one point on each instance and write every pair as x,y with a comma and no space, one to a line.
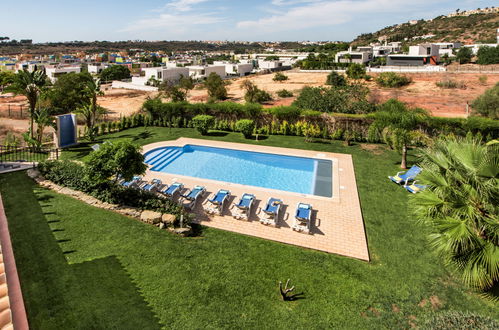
295,174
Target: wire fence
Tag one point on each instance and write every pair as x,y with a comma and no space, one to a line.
15,111
27,154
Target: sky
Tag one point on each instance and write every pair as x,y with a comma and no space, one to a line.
256,20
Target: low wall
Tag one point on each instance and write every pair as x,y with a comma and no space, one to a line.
128,85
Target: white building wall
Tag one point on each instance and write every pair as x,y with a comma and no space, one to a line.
53,73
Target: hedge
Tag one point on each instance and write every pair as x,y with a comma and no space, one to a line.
74,175
289,120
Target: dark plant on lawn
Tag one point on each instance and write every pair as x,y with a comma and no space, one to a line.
119,160
461,207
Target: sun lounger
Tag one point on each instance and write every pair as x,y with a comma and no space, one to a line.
190,199
303,218
271,213
151,186
414,187
134,183
216,204
404,178
172,190
242,210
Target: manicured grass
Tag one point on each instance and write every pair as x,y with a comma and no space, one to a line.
83,267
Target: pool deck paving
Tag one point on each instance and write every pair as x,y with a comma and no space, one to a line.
337,223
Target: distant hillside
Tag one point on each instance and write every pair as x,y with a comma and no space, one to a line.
476,28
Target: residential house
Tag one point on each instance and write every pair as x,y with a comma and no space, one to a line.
203,71
55,71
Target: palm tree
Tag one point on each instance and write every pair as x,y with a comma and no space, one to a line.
399,126
31,85
460,206
42,118
90,115
91,112
92,89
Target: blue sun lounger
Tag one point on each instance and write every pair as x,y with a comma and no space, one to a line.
135,181
172,190
152,186
415,188
402,177
271,212
243,208
217,203
190,199
303,218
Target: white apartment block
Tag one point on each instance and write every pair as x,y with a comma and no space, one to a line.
360,56
54,72
236,69
162,74
97,68
203,71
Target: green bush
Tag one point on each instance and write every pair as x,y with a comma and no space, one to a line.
66,173
280,77
488,55
392,80
203,123
284,93
245,126
119,159
450,84
73,175
453,320
336,79
356,71
487,104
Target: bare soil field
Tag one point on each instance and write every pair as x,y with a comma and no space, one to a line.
123,102
422,92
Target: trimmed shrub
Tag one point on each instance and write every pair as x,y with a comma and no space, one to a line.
245,126
203,123
392,80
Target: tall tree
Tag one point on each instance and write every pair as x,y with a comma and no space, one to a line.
216,87
460,206
115,72
69,92
464,55
31,85
399,126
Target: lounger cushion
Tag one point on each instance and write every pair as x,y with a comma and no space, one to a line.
303,213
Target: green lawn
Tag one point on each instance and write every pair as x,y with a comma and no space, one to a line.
83,267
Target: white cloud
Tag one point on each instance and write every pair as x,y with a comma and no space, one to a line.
173,22
291,2
183,5
177,16
320,13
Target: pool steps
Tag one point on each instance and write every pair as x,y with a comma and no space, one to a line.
166,159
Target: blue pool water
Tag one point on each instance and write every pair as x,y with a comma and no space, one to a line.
295,174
